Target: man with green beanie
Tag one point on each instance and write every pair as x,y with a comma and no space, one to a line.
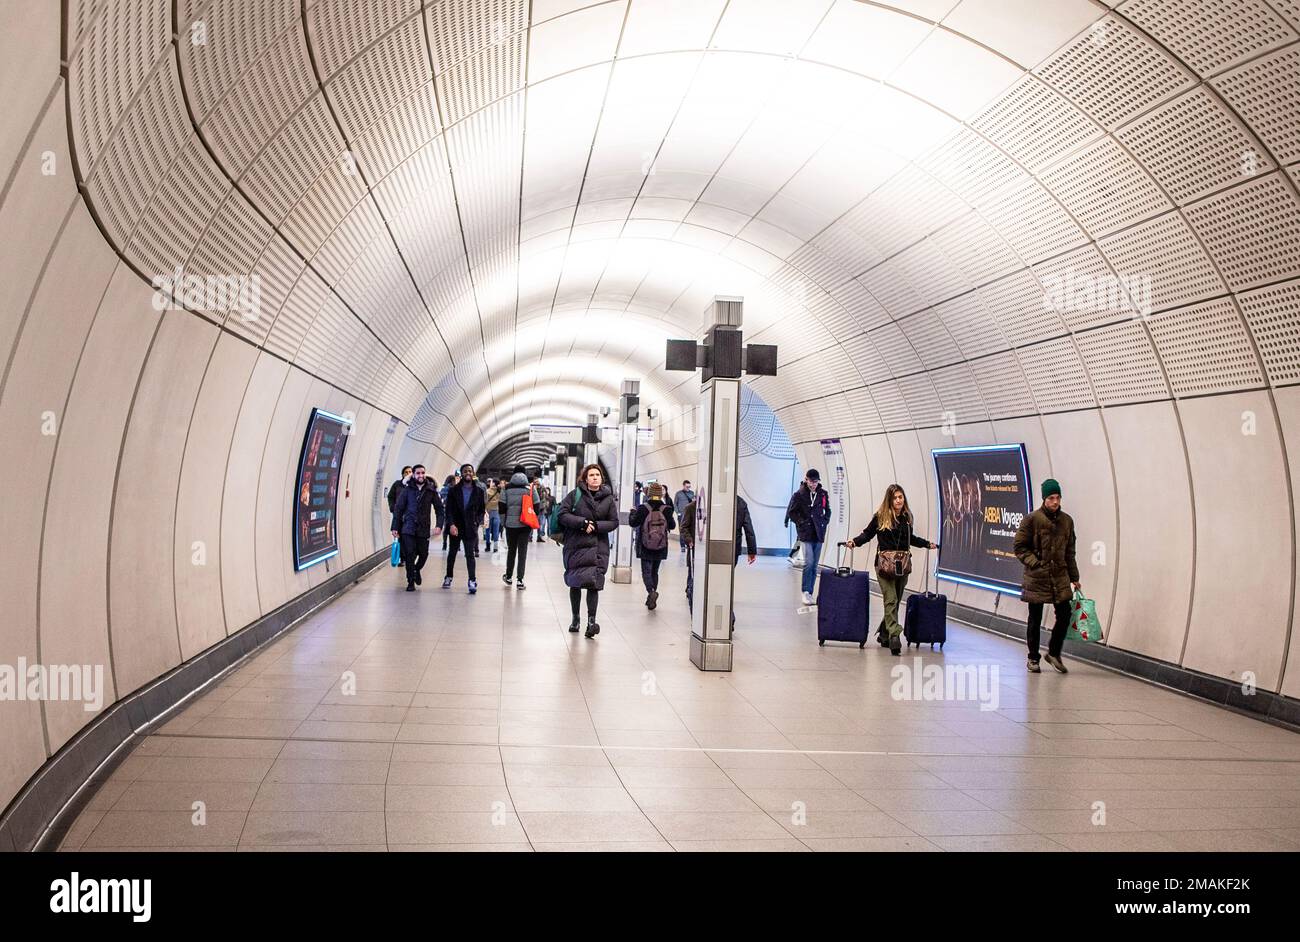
1045,545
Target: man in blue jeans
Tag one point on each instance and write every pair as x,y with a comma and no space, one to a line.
810,511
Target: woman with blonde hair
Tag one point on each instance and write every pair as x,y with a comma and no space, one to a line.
892,529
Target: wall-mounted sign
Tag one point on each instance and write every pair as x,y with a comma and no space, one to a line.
983,496
315,505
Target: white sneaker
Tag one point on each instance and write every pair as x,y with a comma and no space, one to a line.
807,598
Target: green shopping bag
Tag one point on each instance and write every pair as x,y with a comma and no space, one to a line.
1084,623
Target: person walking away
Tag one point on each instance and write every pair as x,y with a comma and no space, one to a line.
653,520
810,511
416,508
518,533
746,542
680,500
465,509
1045,546
588,514
492,536
891,527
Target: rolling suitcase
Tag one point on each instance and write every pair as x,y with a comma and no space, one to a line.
843,603
926,620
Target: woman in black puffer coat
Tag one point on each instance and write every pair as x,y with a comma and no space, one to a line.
588,516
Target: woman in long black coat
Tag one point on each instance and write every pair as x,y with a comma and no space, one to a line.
588,515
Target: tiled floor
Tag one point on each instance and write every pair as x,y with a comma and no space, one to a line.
482,724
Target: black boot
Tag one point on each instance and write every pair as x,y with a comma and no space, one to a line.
895,645
573,625
882,636
593,629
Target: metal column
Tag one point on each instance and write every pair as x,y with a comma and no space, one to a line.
629,408
715,520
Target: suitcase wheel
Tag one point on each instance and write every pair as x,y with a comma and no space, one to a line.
931,645
821,643
862,645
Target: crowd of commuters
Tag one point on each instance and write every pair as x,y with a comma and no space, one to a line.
583,520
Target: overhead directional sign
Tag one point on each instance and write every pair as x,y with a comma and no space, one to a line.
560,434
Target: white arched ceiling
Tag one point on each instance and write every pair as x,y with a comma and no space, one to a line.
475,214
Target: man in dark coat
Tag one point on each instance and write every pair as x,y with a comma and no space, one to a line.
416,508
810,512
465,508
397,488
1045,545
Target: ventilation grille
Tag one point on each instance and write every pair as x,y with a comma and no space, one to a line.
296,316
895,355
1211,35
1253,232
237,34
1104,189
930,273
890,406
474,83
1163,264
377,81
892,290
1192,146
1020,309
922,401
1273,314
1122,364
121,45
931,340
1003,389
904,210
977,250
959,395
292,160
972,167
1034,124
399,134
1205,349
179,213
971,327
866,418
1113,72
1033,222
459,29
1056,376
1084,290
264,99
342,29
1267,94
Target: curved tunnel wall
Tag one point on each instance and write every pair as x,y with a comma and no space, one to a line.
913,292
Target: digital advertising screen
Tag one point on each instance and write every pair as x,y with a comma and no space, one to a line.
983,495
315,505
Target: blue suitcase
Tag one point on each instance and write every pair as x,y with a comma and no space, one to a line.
843,605
926,620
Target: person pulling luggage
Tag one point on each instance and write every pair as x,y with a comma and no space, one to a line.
1045,545
891,527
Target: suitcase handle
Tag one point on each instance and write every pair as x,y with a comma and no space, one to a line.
840,568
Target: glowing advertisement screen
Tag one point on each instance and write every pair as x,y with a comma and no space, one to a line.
315,505
983,495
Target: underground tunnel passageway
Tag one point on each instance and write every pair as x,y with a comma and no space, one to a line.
259,255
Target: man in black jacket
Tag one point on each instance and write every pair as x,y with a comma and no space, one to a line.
397,488
413,509
810,512
466,503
